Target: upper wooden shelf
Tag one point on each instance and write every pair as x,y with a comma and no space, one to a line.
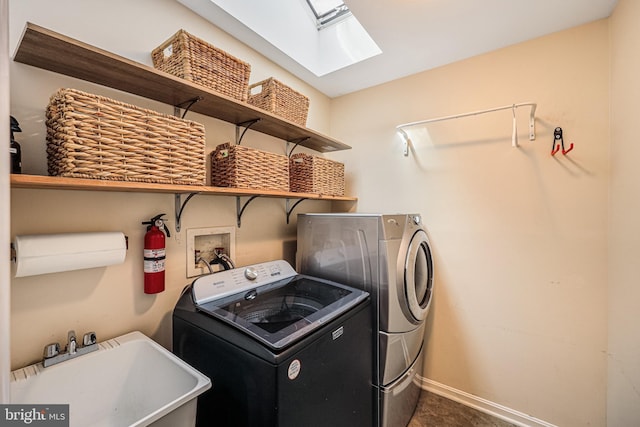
62,183
52,51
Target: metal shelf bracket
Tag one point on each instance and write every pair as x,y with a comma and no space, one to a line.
179,207
240,209
289,210
295,143
246,125
189,103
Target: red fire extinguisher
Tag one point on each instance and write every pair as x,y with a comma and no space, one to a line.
154,255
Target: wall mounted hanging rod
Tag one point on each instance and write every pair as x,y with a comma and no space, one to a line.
532,118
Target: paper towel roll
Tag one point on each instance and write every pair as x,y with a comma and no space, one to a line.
52,253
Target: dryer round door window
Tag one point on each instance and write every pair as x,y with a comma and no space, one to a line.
418,274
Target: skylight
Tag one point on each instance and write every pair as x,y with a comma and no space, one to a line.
340,42
328,12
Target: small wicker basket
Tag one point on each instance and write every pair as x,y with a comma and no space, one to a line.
91,136
193,59
245,167
279,99
312,174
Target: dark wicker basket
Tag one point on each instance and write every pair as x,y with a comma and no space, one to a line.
245,167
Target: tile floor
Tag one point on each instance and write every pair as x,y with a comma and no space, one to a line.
436,411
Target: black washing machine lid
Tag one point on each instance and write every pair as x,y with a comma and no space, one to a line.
283,312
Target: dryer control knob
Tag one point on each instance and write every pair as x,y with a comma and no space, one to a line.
251,273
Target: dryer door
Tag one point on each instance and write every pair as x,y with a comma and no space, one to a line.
418,276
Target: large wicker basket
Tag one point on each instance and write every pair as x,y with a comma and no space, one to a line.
279,99
193,59
245,167
312,174
91,136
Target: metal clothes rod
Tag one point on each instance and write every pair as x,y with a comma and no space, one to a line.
532,119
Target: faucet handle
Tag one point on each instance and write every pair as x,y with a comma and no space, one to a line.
51,350
89,339
72,342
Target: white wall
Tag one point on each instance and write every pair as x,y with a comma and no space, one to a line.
519,237
624,293
110,300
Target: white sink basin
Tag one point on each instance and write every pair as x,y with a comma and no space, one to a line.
129,381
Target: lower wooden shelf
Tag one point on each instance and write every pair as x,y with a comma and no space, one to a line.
62,183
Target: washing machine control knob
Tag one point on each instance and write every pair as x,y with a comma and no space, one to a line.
251,273
416,219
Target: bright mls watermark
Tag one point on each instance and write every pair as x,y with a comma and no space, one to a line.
34,415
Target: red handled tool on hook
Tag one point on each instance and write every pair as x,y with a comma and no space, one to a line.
558,142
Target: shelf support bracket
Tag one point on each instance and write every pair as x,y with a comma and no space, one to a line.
189,103
246,125
289,210
296,142
179,207
240,210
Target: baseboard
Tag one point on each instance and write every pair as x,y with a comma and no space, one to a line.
482,405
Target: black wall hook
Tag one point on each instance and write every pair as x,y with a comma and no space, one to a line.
558,142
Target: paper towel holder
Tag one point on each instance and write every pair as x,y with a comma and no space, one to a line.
52,253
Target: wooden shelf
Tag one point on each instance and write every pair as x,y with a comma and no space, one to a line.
62,183
52,51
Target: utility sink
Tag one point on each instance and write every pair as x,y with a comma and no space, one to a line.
129,381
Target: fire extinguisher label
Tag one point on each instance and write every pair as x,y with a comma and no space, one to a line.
153,266
155,253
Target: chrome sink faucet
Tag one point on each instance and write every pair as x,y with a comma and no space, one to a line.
52,354
71,343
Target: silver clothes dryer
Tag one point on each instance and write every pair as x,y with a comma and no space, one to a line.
388,256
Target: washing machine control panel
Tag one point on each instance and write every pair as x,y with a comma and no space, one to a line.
224,283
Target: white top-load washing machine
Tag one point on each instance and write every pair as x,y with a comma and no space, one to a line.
388,256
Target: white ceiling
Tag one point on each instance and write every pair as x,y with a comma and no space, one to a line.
418,35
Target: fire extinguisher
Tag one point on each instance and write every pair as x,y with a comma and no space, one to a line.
154,255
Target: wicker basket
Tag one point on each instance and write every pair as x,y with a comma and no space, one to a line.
193,59
311,174
280,99
244,167
91,136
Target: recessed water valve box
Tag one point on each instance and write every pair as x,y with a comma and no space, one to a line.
203,245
